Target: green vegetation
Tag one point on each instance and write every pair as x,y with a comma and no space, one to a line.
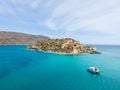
66,46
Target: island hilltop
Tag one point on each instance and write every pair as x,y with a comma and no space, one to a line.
61,46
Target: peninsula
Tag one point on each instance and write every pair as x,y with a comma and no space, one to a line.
61,46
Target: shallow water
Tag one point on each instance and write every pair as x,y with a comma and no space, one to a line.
22,69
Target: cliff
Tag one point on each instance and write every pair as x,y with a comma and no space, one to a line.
65,46
15,38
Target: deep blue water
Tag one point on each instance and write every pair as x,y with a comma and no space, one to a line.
22,69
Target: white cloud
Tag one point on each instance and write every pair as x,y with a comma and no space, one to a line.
67,16
49,3
35,3
50,24
4,9
73,15
32,3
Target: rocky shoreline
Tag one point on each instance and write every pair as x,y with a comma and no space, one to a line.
61,46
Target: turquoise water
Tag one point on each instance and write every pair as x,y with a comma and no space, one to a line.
22,69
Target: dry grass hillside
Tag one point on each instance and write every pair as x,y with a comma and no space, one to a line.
14,38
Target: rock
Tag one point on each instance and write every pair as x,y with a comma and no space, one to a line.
64,46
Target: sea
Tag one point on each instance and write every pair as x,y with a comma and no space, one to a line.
22,69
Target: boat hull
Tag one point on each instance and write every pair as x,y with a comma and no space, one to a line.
92,70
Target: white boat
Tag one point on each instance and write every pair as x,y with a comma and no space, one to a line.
93,70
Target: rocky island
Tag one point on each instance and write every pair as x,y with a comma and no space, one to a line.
61,46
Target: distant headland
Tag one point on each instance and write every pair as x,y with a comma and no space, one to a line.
17,38
61,46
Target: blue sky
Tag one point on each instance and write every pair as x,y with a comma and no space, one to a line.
90,21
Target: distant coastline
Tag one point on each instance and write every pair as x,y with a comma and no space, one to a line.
16,38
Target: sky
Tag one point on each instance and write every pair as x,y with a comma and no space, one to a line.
89,21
